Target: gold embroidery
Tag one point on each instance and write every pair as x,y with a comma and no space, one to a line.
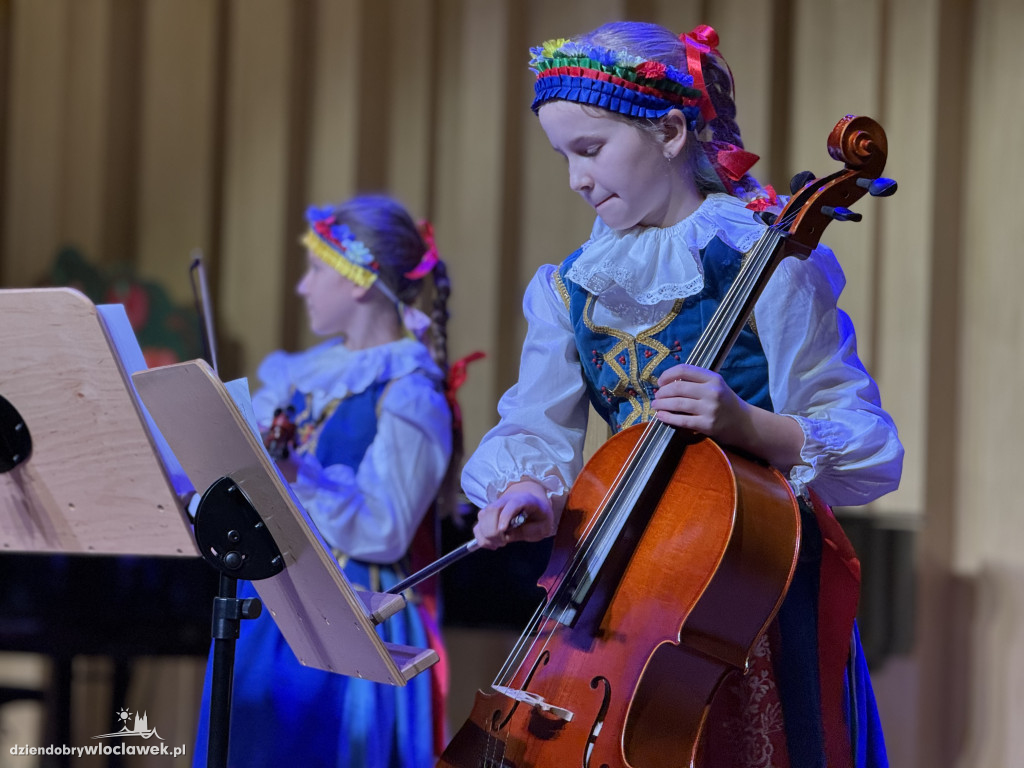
562,290
308,437
630,385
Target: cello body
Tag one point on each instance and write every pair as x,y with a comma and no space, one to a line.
701,574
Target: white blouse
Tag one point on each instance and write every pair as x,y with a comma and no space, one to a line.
370,513
851,452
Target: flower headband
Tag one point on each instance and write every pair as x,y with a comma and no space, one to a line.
335,245
614,80
637,87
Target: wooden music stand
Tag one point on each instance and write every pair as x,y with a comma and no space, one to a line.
97,480
80,472
326,623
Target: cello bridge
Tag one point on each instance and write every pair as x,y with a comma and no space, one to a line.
533,700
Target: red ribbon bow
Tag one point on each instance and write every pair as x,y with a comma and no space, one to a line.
703,39
765,203
735,161
456,378
430,258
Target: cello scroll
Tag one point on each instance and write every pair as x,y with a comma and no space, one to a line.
860,143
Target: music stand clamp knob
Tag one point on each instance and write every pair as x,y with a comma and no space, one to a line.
15,440
232,536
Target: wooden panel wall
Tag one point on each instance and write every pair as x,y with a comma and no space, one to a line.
986,524
140,131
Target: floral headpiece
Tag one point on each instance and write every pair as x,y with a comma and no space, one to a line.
335,245
631,85
614,80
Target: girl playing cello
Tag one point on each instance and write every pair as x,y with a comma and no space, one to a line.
645,121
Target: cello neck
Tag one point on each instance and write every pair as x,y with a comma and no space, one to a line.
718,337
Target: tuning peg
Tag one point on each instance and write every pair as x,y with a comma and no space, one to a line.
878,187
767,217
840,214
800,181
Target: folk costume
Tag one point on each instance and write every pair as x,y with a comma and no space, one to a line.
373,439
629,304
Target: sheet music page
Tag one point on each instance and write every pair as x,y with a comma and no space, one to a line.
239,391
126,345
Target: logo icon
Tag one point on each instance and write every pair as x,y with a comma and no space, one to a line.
139,727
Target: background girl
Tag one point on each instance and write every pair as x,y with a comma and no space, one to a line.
371,447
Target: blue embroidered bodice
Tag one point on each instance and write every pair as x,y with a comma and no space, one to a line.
345,429
621,370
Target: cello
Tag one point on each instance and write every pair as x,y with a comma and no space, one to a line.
671,558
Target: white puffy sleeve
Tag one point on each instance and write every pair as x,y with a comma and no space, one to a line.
275,388
543,417
371,514
851,453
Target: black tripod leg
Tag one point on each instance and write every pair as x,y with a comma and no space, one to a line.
228,612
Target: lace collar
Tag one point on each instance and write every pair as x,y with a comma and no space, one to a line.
655,264
330,370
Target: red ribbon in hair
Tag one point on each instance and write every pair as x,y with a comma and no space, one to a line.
429,259
456,378
729,162
735,161
703,39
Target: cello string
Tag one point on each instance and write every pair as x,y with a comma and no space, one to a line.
495,748
500,678
753,270
539,626
642,453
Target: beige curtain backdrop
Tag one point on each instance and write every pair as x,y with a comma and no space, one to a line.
139,130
